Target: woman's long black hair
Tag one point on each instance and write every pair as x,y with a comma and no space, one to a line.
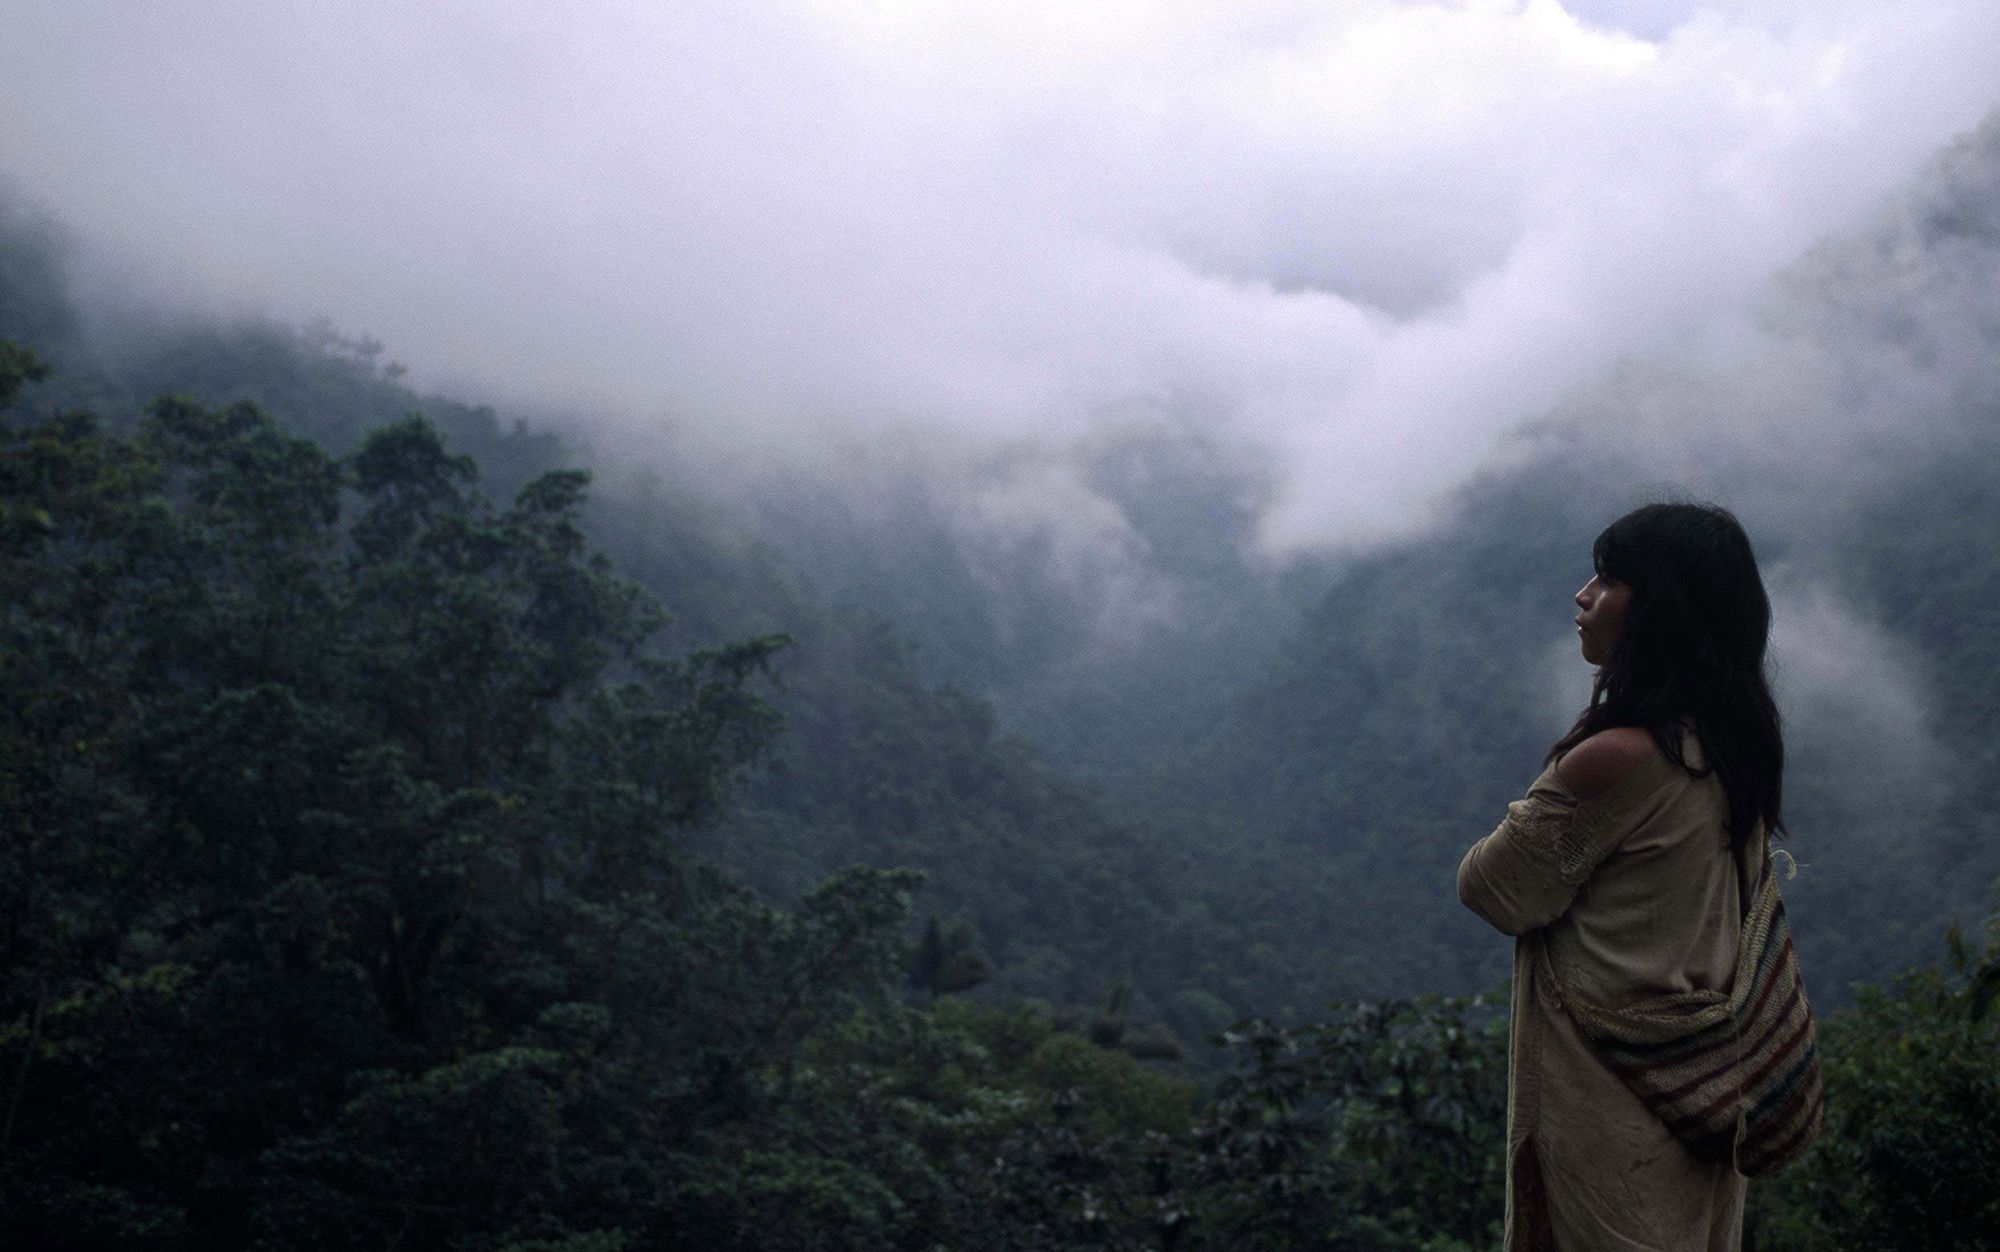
1692,647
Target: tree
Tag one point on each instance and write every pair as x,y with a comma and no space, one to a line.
345,899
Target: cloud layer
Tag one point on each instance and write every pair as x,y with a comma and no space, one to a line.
1364,240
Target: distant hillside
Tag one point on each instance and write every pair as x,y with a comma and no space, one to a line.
1253,801
881,763
1417,696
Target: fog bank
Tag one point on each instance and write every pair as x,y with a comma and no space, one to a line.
1360,244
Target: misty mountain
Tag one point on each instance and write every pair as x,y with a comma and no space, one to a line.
1124,744
1333,735
882,763
1420,692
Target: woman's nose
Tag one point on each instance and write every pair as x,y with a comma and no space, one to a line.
1583,596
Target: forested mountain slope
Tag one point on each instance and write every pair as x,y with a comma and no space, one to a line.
1067,898
349,904
1227,802
1859,443
1337,731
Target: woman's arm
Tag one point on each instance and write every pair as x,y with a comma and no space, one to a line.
1512,877
1526,873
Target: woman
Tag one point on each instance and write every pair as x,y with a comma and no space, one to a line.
1625,873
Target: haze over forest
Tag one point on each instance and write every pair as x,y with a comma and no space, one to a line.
1088,350
1169,436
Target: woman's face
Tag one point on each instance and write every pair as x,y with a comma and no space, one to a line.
1603,601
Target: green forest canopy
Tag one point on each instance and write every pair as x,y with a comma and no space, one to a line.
350,904
388,865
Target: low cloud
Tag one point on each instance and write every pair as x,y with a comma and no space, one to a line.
1833,665
1365,241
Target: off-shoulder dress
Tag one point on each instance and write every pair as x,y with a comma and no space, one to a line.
1630,894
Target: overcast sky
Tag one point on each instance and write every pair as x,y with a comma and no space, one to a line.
1364,238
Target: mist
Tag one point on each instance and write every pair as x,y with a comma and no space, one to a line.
1359,247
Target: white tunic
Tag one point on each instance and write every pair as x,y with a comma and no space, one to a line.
1633,893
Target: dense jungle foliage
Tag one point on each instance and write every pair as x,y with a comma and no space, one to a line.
385,867
351,901
1224,808
1068,894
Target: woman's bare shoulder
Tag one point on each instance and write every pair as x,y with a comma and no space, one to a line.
1600,762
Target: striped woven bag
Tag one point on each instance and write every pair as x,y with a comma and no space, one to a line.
1735,1077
